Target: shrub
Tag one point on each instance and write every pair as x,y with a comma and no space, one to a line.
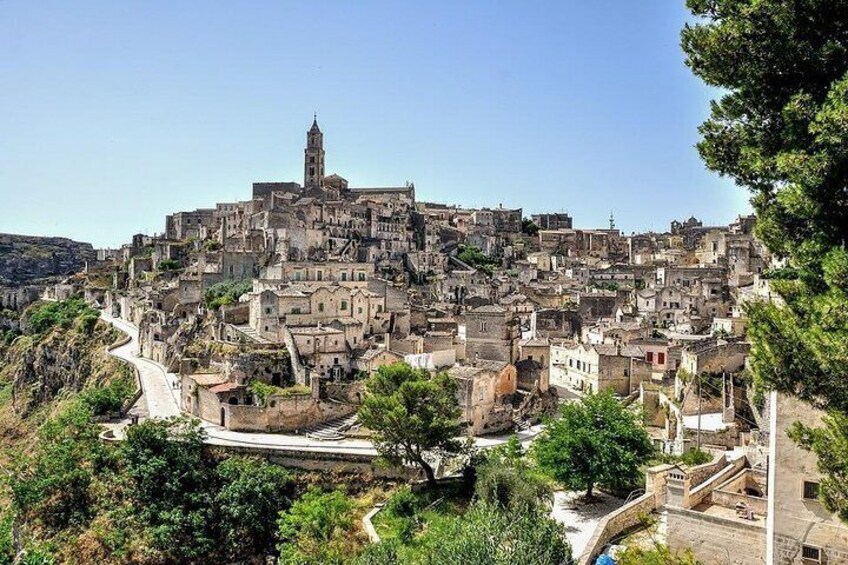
226,292
109,399
316,528
168,265
63,313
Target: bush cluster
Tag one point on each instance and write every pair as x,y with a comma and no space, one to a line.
63,314
225,293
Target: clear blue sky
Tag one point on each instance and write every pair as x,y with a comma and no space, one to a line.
113,114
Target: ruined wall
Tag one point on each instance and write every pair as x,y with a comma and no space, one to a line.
284,414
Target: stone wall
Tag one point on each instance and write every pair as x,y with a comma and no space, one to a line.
715,540
284,414
613,524
729,499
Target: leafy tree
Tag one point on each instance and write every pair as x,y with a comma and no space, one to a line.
489,535
168,265
43,317
529,228
485,534
170,486
226,292
411,414
252,494
781,130
505,480
52,486
475,257
316,528
109,398
596,441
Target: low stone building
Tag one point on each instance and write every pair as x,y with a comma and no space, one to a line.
485,395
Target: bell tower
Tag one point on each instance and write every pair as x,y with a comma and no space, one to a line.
313,162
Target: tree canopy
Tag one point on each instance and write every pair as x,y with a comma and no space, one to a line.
596,441
781,130
315,529
412,414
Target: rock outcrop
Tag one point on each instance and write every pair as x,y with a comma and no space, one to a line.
64,360
25,259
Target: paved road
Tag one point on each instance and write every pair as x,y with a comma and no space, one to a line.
161,391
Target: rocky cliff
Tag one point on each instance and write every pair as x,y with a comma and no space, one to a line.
25,258
66,360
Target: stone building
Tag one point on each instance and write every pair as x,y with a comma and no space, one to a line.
485,395
595,368
491,333
799,529
552,221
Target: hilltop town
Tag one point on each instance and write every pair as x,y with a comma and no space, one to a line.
270,313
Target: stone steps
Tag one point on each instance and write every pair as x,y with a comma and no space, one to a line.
333,430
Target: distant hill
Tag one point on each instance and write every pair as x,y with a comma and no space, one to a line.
25,258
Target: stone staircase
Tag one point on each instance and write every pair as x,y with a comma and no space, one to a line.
520,423
332,430
251,334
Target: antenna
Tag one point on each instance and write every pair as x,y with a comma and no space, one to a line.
612,221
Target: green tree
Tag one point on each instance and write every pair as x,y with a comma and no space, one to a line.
411,414
53,485
596,441
505,480
316,529
171,486
168,265
252,494
781,130
529,228
486,534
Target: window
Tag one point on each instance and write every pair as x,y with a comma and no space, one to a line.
312,159
359,310
295,310
320,306
344,275
267,310
660,358
811,553
344,305
649,357
811,490
311,171
361,276
319,275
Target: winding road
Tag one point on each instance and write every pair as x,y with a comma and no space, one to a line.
162,395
